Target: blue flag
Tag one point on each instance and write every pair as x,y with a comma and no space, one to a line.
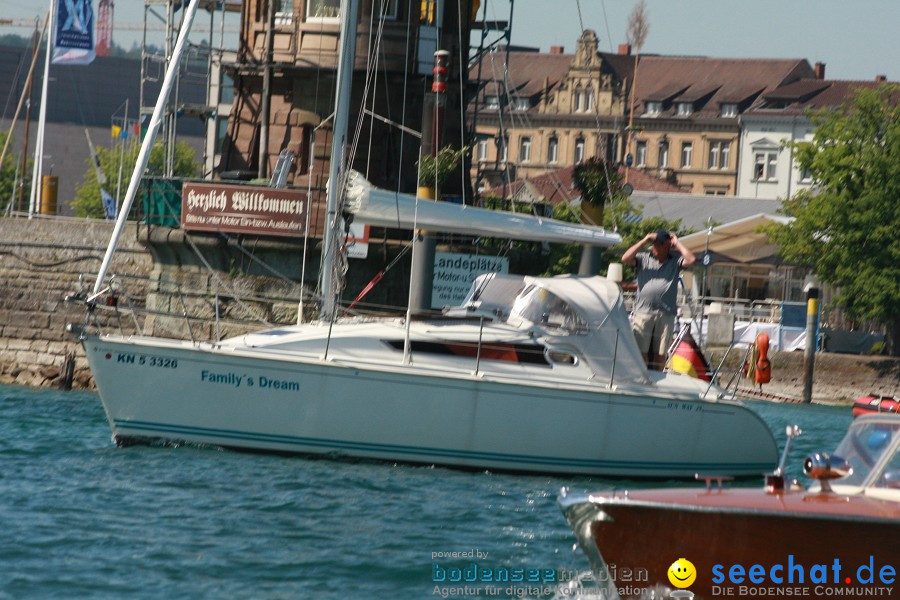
73,33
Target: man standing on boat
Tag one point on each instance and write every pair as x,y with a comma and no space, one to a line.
657,289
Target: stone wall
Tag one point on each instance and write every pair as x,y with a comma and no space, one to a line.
41,261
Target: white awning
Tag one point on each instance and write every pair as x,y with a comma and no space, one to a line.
383,208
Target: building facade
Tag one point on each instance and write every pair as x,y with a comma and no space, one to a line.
538,112
767,167
285,69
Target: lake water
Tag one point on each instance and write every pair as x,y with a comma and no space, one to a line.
84,519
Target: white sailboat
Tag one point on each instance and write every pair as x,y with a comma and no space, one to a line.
529,374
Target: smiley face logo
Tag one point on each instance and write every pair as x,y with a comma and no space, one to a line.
682,573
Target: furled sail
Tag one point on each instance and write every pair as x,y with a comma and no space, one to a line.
384,208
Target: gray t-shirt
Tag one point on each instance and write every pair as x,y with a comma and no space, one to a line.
657,282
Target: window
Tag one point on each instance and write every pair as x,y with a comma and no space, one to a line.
388,9
663,155
482,150
553,150
718,154
525,149
685,109
641,154
323,10
764,166
589,99
687,151
522,104
579,150
491,102
805,176
729,110
226,88
503,149
654,108
579,100
284,11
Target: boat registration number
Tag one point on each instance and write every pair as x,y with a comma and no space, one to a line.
146,360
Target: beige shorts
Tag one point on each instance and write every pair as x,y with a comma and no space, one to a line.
653,330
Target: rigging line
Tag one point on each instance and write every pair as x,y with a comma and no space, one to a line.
371,60
596,105
15,79
374,51
462,105
606,21
235,294
406,67
317,290
236,244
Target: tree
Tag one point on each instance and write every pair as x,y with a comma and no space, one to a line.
846,227
620,216
88,203
8,177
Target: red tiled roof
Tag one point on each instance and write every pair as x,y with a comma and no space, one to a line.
558,186
809,94
709,82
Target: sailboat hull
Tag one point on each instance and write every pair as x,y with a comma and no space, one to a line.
155,389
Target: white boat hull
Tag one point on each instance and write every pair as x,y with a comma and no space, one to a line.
155,389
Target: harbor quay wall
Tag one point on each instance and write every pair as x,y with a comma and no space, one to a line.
41,261
191,286
165,282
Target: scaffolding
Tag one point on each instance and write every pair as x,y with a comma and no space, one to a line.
193,92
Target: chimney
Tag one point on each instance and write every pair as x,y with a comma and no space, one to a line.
820,70
880,78
556,49
624,49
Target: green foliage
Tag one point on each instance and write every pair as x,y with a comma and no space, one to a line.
564,258
87,202
8,175
597,181
434,171
847,227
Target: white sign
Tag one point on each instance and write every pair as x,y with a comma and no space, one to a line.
454,274
358,241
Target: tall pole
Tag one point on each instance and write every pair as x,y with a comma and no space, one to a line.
37,171
266,94
346,58
144,155
809,353
424,244
22,168
25,92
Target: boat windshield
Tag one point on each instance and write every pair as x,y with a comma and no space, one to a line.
863,447
541,307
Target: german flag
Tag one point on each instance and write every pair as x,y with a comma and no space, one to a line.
688,359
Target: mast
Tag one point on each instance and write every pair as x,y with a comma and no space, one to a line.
37,170
144,155
346,58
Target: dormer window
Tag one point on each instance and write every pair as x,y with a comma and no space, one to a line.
491,102
685,109
654,109
522,104
729,110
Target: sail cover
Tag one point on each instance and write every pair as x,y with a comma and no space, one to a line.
384,208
